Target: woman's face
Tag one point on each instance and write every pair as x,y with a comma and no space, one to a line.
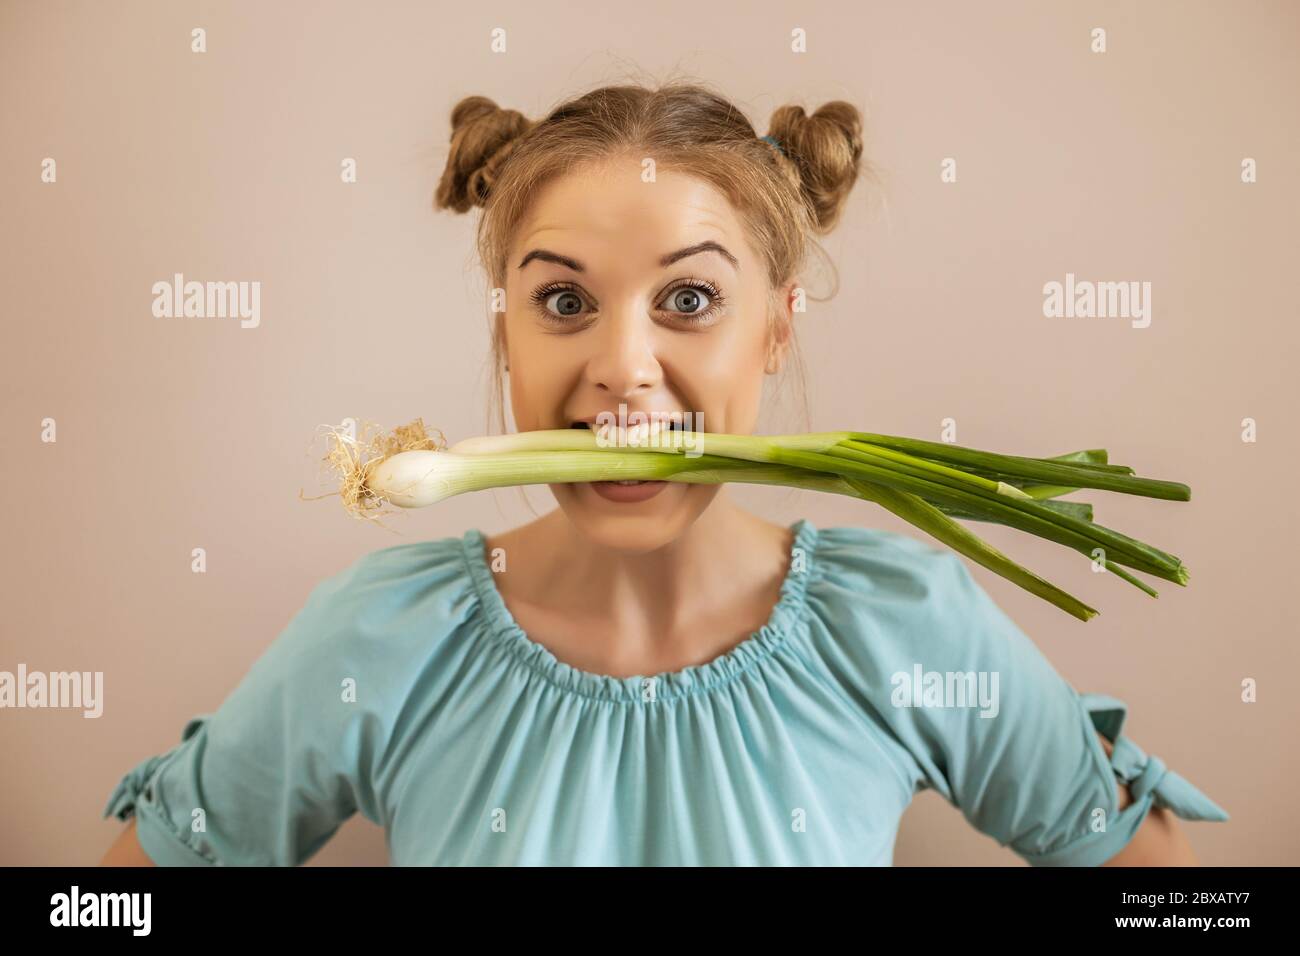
645,294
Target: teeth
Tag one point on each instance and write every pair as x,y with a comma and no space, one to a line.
668,425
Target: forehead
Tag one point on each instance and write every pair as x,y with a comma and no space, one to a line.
606,212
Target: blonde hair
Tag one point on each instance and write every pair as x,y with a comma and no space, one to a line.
784,191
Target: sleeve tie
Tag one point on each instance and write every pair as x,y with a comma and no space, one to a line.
1147,776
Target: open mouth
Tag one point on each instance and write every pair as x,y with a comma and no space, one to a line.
645,487
669,425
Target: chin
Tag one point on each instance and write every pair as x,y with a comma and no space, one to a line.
634,527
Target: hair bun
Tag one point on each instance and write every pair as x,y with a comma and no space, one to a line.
826,149
482,137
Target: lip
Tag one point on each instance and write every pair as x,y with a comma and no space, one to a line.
612,490
663,415
626,494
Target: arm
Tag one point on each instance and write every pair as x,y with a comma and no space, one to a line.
269,776
1158,841
127,850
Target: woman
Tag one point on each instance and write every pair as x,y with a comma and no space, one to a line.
650,675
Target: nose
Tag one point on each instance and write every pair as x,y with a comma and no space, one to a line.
623,361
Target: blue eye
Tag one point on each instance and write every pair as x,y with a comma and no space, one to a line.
567,302
696,299
693,301
687,299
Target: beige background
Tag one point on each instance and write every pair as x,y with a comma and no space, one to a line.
176,434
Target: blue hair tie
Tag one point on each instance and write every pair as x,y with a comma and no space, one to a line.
772,140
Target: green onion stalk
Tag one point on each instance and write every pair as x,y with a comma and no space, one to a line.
931,485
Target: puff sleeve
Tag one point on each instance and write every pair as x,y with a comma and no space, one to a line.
1023,764
270,775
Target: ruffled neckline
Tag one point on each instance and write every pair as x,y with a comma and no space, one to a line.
789,610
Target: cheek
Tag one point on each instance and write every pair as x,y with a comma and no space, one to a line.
540,377
529,395
725,379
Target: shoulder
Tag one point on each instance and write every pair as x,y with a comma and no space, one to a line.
391,581
889,559
378,611
890,601
890,573
370,641
418,567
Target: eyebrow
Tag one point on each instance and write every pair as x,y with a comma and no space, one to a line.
664,262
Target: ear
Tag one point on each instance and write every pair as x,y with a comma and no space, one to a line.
782,328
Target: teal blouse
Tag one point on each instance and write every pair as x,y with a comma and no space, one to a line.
403,689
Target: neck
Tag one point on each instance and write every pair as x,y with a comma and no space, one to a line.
726,558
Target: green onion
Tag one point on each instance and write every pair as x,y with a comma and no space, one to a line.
928,484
